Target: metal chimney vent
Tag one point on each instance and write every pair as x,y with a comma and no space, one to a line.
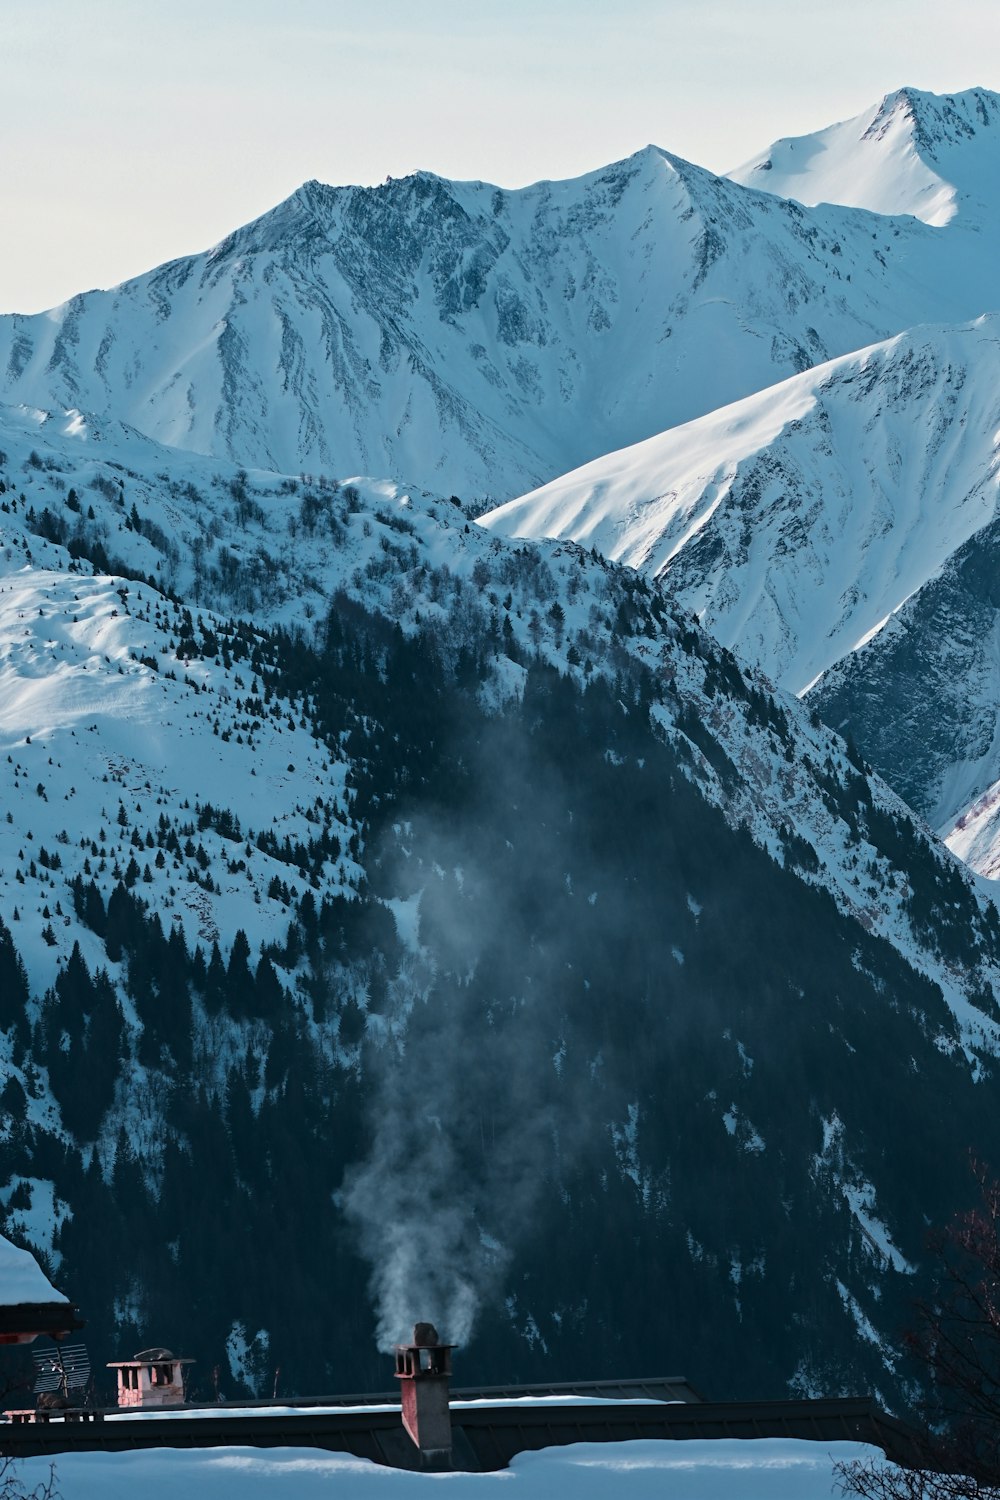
423,1369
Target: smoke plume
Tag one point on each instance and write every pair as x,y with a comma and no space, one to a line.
469,1114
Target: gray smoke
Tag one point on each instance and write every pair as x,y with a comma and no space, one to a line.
471,1115
453,1175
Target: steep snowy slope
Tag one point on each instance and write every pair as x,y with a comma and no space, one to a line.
175,725
481,341
796,522
933,156
975,834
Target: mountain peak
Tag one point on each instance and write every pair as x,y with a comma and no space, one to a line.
929,155
936,120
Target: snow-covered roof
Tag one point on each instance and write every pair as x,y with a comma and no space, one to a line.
22,1279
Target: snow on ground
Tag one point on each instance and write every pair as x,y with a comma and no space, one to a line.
975,834
721,1469
103,730
21,1278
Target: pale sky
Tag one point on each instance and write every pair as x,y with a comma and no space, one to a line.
138,130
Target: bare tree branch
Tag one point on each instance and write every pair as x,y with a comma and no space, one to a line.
957,1340
12,1486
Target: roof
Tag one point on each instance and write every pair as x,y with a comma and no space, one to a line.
26,1320
29,1303
486,1437
22,1279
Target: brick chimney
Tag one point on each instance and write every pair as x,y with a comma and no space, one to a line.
423,1369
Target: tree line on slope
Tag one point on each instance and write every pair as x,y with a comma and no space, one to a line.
682,1019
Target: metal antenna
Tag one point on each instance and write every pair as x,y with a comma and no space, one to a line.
62,1368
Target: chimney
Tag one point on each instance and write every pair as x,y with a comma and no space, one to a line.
423,1369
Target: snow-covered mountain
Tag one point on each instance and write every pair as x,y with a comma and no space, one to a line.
932,156
404,804
106,656
842,524
391,898
481,341
796,522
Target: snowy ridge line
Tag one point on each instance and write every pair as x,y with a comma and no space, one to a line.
481,341
835,531
773,792
916,153
795,523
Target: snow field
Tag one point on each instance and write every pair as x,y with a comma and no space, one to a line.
95,743
724,1469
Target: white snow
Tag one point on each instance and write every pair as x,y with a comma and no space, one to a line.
834,1164
913,153
975,834
79,663
21,1278
82,718
481,341
861,1197
722,1469
796,522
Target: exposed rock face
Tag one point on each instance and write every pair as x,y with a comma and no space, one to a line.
920,698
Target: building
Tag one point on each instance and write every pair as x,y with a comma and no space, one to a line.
29,1303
